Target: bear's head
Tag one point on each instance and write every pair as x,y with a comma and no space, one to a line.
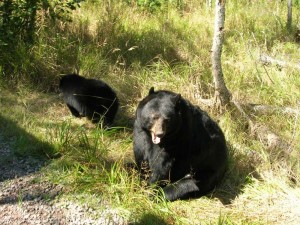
69,82
161,116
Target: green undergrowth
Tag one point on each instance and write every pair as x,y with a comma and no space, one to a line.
133,48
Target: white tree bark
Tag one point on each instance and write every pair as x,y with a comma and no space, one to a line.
289,14
209,3
222,94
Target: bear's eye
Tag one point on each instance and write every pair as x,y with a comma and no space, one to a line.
167,119
154,116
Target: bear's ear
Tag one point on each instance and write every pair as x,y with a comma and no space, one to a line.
151,91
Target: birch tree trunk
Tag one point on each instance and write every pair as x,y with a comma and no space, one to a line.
222,94
209,3
289,14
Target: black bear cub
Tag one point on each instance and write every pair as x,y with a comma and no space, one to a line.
89,97
184,149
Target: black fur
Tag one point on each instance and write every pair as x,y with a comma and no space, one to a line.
183,147
89,97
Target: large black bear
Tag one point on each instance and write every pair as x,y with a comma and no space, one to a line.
184,149
89,97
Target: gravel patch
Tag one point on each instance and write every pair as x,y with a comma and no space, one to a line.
24,199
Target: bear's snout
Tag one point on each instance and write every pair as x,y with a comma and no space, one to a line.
157,130
156,138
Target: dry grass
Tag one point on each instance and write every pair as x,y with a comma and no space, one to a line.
253,192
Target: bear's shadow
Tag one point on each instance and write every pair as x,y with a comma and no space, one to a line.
149,218
240,173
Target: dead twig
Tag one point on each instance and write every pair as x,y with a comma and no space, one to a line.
268,60
263,133
268,109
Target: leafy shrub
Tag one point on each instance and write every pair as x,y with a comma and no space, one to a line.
19,22
152,5
18,18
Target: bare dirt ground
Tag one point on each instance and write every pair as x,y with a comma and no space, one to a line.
24,199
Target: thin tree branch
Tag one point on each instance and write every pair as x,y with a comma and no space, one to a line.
267,109
289,14
263,133
267,60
